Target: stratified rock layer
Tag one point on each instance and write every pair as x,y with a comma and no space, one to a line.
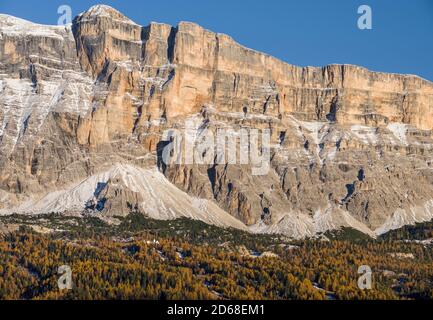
350,147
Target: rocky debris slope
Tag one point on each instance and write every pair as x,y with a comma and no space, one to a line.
350,147
122,187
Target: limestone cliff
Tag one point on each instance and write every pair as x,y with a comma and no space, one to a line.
350,147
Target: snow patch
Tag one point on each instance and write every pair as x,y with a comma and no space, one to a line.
399,131
13,26
102,10
367,135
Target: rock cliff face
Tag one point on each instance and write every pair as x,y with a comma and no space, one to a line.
350,147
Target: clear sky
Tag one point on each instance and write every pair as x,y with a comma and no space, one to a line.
303,32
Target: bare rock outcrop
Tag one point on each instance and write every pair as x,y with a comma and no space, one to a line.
350,147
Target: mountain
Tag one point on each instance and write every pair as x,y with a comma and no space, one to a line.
123,189
84,109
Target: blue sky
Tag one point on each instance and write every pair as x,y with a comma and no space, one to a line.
303,32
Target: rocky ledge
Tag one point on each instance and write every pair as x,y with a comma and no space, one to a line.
350,147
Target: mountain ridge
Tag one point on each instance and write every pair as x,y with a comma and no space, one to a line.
79,99
94,10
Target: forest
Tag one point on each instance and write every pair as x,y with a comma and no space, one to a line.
146,259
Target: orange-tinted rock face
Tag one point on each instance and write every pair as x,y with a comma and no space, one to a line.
76,99
188,67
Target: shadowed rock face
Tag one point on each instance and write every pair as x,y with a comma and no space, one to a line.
350,147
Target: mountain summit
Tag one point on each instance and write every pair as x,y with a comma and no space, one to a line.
104,11
84,109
